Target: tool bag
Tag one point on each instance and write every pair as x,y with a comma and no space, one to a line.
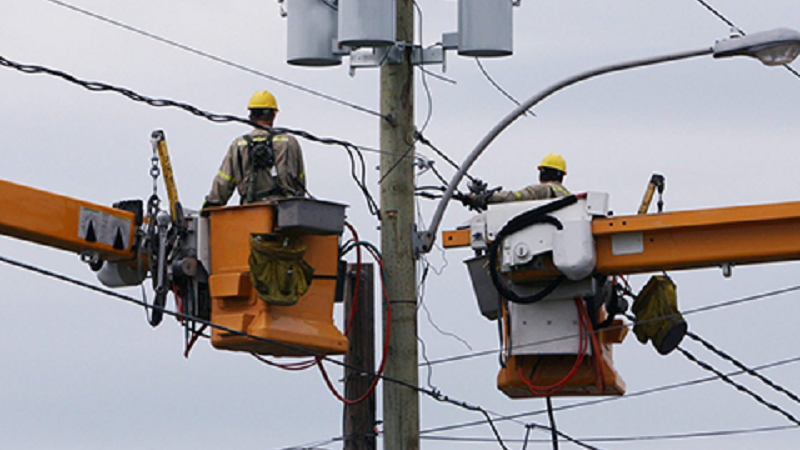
277,269
657,315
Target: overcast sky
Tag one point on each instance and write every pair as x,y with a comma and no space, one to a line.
83,371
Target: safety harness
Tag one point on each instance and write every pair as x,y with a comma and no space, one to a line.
261,155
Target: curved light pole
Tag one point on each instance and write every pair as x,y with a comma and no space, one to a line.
775,47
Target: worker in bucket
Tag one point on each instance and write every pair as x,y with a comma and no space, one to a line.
260,165
552,171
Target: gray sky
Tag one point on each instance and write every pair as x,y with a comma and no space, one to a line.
82,371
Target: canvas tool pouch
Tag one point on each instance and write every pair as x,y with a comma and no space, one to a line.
277,269
657,315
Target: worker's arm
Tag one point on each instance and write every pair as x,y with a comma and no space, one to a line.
532,192
226,179
295,176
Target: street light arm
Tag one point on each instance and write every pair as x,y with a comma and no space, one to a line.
428,237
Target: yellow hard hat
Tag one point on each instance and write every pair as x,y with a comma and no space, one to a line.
554,161
263,100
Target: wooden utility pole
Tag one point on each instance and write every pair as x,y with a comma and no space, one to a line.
359,419
400,403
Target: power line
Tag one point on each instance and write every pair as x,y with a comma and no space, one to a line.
499,88
423,73
740,387
629,395
437,76
217,58
741,366
434,394
613,439
720,16
238,66
701,309
358,167
424,141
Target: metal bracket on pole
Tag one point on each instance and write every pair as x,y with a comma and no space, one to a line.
375,57
422,242
431,55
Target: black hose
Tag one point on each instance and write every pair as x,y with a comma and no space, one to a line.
529,218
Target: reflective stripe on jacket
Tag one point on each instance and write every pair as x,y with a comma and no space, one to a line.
549,189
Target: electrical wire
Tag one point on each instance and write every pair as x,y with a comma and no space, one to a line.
702,309
217,58
357,283
733,26
437,76
311,445
358,167
741,366
613,439
499,88
583,348
424,352
387,337
435,395
428,95
424,141
740,387
628,395
552,417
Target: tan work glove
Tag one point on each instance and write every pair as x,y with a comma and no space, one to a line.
657,315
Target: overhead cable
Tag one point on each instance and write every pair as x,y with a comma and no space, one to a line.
740,387
629,395
701,309
428,95
499,88
358,168
424,141
217,58
613,439
741,366
436,395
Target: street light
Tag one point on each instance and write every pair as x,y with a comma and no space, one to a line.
775,47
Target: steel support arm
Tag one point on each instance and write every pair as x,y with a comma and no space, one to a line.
695,239
688,239
66,223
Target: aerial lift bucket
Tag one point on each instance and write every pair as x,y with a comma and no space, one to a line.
593,377
303,329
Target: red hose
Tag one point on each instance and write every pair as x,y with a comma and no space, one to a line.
387,336
295,366
544,391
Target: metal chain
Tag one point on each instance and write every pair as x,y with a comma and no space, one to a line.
154,203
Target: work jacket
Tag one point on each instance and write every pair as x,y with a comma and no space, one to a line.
286,178
548,189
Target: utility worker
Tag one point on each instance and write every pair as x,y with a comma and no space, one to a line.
260,165
552,170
